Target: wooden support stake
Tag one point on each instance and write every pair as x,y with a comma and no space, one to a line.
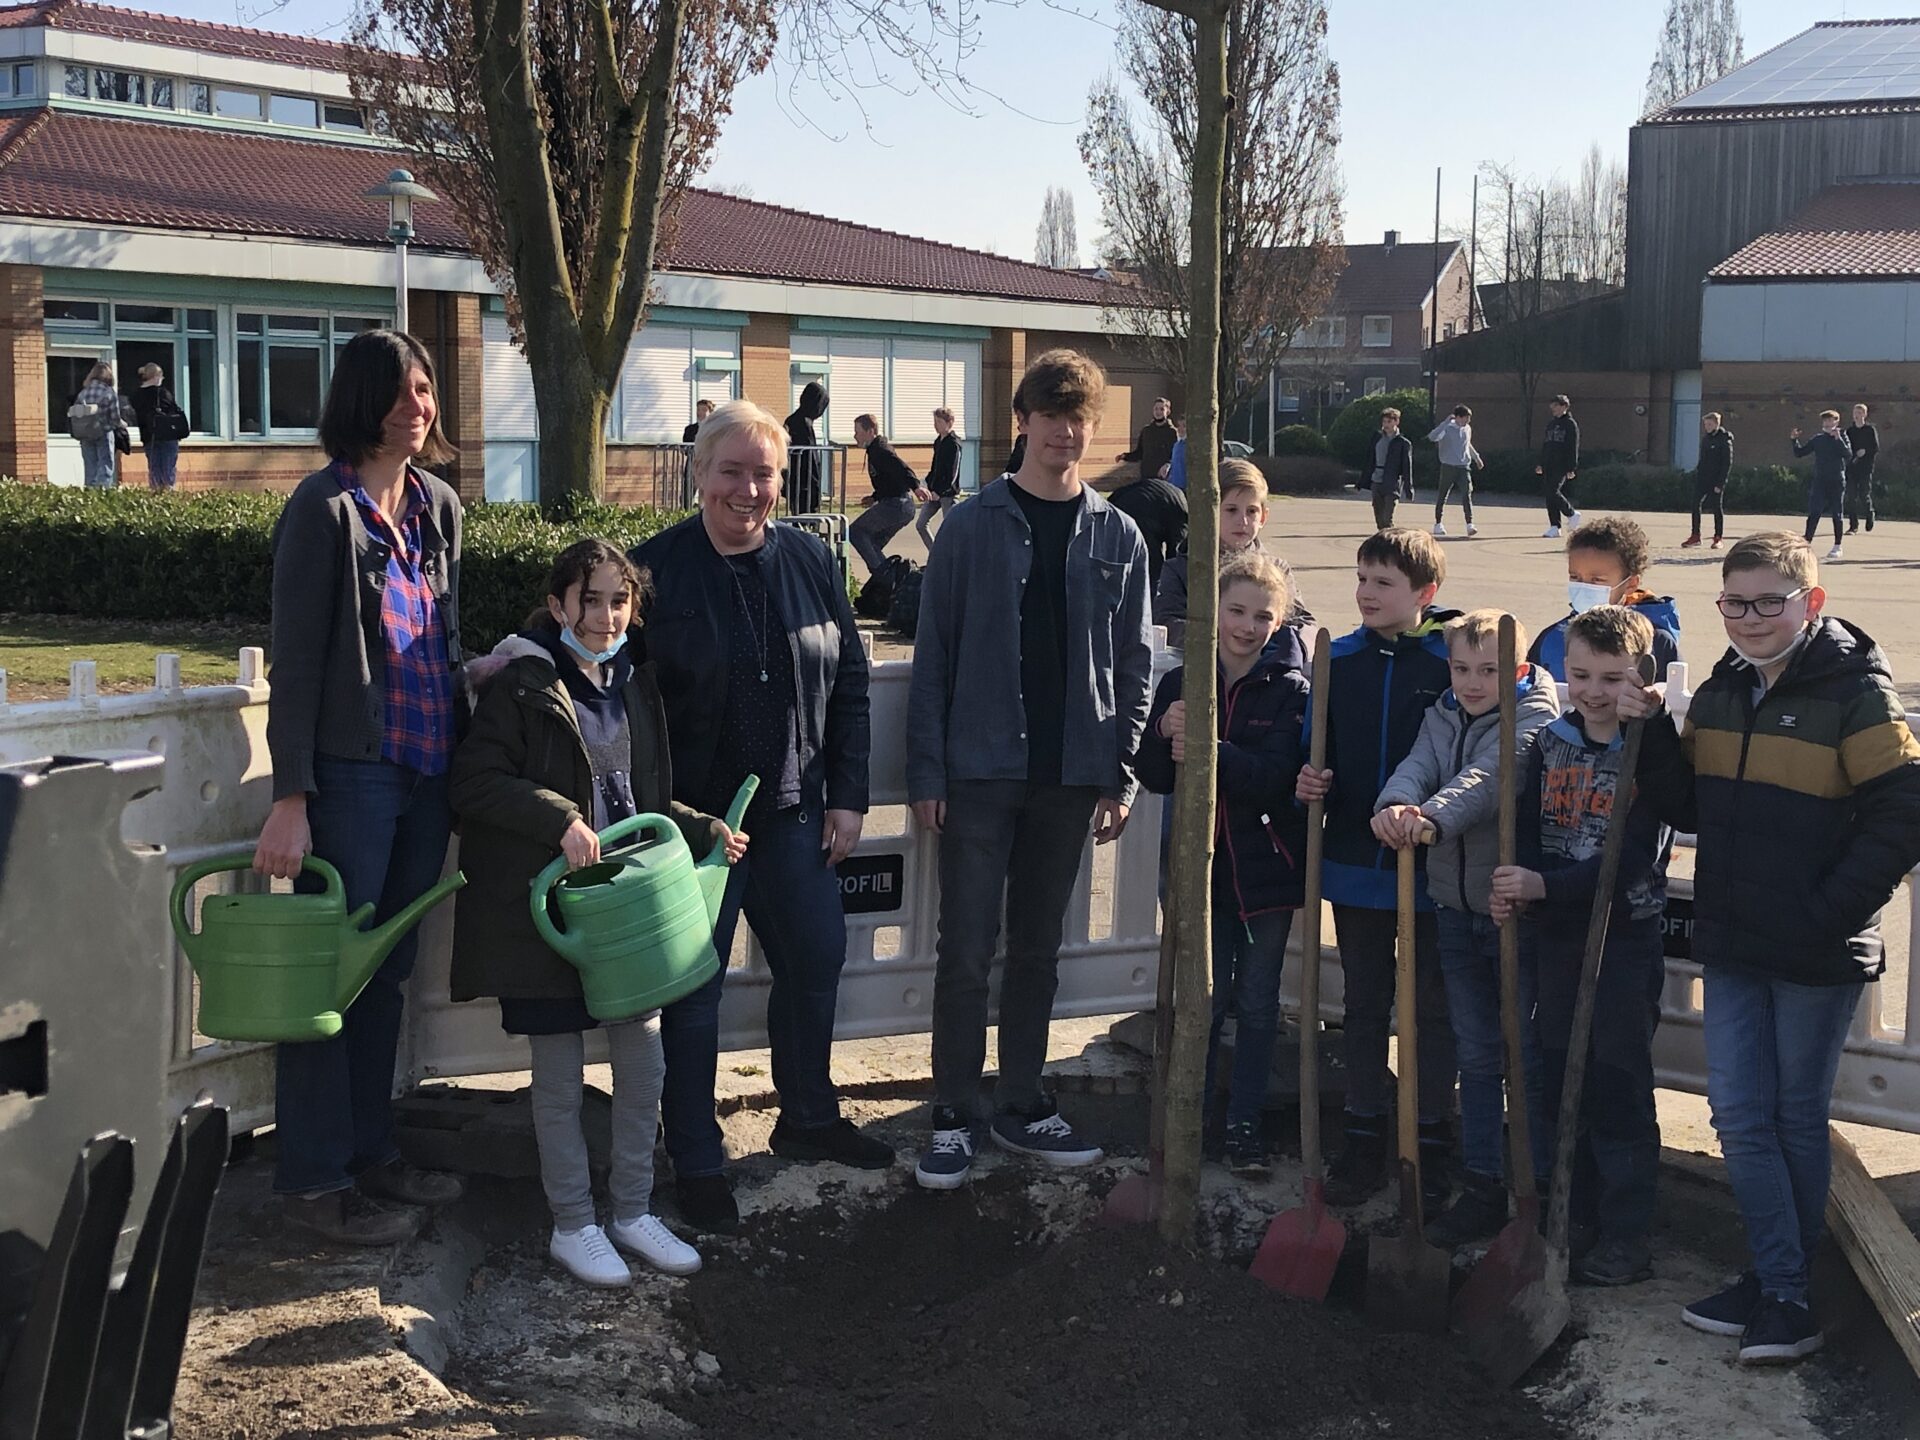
1883,1252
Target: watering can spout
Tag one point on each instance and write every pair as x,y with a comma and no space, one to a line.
362,950
712,870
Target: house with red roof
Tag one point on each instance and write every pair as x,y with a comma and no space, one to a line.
192,195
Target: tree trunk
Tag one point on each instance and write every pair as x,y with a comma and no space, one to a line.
1194,795
573,431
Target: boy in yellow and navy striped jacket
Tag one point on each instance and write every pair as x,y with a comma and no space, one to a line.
1798,773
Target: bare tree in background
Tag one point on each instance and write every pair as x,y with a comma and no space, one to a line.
1597,220
1056,242
1280,215
1699,42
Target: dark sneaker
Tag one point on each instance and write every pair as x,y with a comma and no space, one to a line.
839,1142
1853,527
947,1163
1690,542
1614,1261
1730,1311
707,1203
346,1217
406,1184
1360,1169
1780,1333
1045,1135
1869,527
1480,1212
1247,1149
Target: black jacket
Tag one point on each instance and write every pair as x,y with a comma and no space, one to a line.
890,475
1829,459
1398,473
805,473
1260,843
1160,512
1560,446
154,405
687,641
1863,443
1716,459
1378,700
690,434
1806,805
1154,448
943,476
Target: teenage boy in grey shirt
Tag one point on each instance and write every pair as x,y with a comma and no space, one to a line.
1032,672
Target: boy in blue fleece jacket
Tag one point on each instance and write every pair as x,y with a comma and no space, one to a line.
1606,559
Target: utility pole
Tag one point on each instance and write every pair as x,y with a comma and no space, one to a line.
1473,259
1433,303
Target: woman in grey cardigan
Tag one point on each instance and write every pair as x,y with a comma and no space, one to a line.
366,638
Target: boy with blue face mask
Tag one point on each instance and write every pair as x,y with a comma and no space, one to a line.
1605,559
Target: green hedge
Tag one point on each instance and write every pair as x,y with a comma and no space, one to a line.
134,554
1352,432
1299,440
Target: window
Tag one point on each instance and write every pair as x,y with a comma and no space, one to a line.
282,362
1447,331
1328,332
134,333
76,83
124,86
343,117
1288,399
88,313
293,110
144,315
1376,331
237,104
199,97
1374,385
7,79
160,92
23,79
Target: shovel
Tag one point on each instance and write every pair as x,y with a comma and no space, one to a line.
1303,1245
1512,1307
1407,1278
1135,1200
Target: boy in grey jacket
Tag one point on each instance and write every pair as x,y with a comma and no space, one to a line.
1458,461
1449,782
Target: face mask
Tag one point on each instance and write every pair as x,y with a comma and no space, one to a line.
598,657
1585,597
1761,662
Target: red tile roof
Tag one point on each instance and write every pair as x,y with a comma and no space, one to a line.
202,35
68,165
1846,232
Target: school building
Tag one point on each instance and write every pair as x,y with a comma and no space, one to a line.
192,195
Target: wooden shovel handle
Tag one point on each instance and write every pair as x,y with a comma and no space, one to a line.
1310,1162
1519,1135
1405,1008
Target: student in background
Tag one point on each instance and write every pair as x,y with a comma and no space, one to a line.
895,489
943,476
1458,461
1827,490
1606,559
1710,478
1559,463
1863,443
1154,447
1390,472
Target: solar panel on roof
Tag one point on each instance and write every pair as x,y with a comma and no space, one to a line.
1828,64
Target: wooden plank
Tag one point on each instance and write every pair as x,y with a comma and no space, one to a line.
1878,1244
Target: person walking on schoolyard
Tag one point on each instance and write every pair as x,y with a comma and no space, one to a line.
1031,683
360,726
1390,472
163,425
1153,449
569,739
943,476
895,489
1863,444
1796,770
1827,490
1710,478
96,418
1458,461
1559,463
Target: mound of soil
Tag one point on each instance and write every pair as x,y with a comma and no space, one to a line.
951,1317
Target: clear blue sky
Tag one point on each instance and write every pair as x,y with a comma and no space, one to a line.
1516,81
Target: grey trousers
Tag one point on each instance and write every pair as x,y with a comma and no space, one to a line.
1013,841
557,1088
938,505
883,520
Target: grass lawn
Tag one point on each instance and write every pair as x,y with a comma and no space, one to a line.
35,651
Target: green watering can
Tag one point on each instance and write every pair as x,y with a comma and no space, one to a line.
638,925
283,967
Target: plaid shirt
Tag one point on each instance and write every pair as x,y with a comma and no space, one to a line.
418,679
113,408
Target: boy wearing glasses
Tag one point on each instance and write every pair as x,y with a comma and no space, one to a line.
1797,771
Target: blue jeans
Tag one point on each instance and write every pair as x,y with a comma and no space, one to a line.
99,464
1247,956
791,898
163,456
1470,964
1773,1049
881,521
385,829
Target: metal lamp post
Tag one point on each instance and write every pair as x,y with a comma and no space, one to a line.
400,191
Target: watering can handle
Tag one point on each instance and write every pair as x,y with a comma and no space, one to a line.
742,798
241,860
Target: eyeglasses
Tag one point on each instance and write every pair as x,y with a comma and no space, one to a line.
1765,606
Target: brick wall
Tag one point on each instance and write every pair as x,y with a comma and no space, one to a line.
766,363
215,466
23,358
1617,409
448,324
1761,402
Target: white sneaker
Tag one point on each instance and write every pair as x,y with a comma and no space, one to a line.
1552,532
1472,530
586,1255
1573,518
1834,553
1439,530
650,1239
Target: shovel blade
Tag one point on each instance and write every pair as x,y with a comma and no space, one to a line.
1514,1304
1408,1282
1301,1250
1134,1201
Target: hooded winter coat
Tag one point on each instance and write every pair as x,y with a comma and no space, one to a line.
1549,647
1453,775
805,477
1806,802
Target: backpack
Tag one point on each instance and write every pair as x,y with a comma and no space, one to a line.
903,614
876,596
85,421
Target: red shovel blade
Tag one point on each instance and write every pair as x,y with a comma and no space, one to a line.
1134,1201
1302,1249
1514,1304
